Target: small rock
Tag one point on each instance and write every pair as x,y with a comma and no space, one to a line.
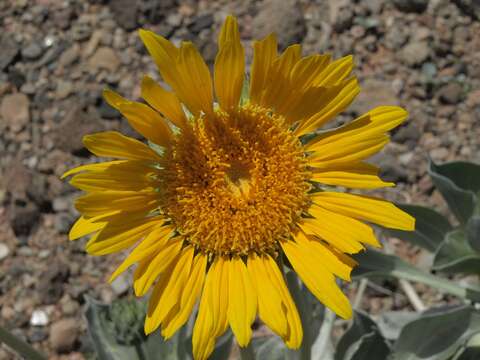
341,18
75,125
14,110
374,93
451,93
439,154
52,280
24,219
38,335
417,6
121,284
125,13
415,53
32,51
61,203
9,50
201,22
63,222
284,17
64,88
39,318
4,251
105,58
69,56
63,335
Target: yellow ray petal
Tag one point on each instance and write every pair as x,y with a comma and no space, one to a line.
118,236
145,275
229,65
269,298
177,281
336,100
98,203
164,53
357,175
193,85
155,240
125,176
342,226
142,118
212,318
319,281
325,256
278,85
335,72
163,101
151,323
366,208
83,227
294,336
91,167
346,152
190,295
116,145
242,304
370,125
264,53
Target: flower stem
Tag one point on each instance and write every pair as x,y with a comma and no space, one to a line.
20,346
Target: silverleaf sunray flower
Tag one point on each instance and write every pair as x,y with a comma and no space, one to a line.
231,190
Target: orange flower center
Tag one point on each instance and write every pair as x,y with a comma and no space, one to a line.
236,183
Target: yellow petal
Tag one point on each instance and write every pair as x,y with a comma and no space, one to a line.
242,304
338,98
164,53
153,242
193,85
278,85
150,268
177,281
116,145
165,102
356,175
324,255
151,322
229,65
294,336
212,318
335,72
124,176
366,208
190,294
269,298
83,227
142,118
339,230
348,151
264,53
118,236
319,281
370,125
92,167
98,203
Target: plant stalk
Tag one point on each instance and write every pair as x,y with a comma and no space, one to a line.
20,346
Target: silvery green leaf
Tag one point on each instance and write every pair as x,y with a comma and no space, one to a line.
437,334
361,325
473,232
455,255
458,182
430,227
390,323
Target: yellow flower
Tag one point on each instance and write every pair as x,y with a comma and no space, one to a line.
223,192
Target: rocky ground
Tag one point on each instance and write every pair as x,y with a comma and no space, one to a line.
57,55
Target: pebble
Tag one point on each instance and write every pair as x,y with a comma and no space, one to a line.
415,53
15,112
105,58
4,251
39,318
63,334
411,5
32,52
121,284
451,93
69,56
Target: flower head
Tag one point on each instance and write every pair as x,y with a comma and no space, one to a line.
225,189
